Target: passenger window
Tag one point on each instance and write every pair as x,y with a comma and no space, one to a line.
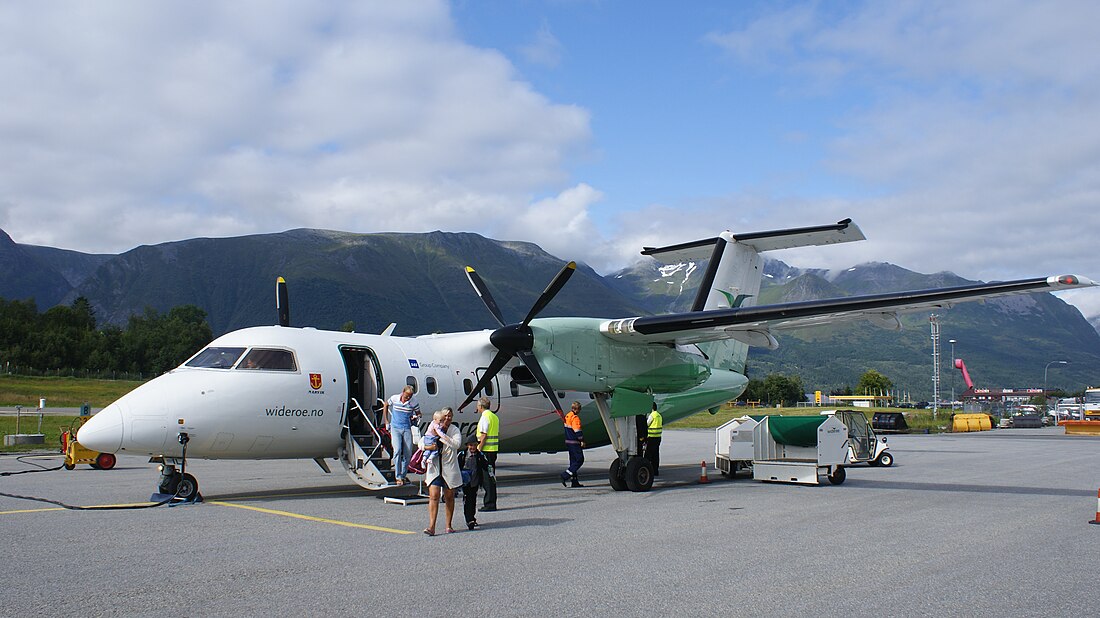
467,386
489,389
269,360
429,383
411,381
216,358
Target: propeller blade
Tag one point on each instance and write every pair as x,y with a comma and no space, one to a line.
483,291
551,291
532,363
500,360
282,302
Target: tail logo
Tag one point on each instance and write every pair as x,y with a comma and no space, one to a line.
734,301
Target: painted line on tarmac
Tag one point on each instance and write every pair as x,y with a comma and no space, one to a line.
56,508
323,520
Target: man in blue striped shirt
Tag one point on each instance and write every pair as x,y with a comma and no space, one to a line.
401,412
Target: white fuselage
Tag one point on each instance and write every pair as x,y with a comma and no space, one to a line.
234,412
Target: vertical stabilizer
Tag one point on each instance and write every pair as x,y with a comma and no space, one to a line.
734,271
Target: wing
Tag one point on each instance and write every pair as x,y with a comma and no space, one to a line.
754,325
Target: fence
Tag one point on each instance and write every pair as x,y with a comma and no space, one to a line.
95,374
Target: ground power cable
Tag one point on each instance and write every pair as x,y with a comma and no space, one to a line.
72,507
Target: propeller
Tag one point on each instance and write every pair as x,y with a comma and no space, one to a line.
517,339
282,302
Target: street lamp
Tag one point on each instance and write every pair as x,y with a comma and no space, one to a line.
1058,362
951,369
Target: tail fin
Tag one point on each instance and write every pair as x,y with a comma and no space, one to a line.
734,271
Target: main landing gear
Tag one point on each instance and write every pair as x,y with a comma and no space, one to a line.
629,471
635,475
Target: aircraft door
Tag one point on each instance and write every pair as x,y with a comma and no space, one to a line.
364,386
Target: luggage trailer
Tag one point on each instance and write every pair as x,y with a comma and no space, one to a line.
784,449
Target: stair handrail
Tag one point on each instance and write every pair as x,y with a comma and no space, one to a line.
370,424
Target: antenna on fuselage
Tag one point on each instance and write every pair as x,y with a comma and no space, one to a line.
282,302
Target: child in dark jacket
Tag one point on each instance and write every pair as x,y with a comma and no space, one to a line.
471,480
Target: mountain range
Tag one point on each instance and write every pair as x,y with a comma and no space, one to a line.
418,281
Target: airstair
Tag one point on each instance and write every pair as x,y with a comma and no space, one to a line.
363,453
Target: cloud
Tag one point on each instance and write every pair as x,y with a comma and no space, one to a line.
545,49
134,124
968,125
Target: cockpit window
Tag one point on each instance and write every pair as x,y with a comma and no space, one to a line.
216,358
269,360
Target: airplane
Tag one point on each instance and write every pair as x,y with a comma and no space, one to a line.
282,392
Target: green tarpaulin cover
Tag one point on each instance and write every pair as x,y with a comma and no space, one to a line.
795,430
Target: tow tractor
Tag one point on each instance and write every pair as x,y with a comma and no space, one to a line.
864,446
75,453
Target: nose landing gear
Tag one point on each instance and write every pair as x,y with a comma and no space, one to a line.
174,483
177,484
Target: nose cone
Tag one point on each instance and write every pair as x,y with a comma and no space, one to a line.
103,432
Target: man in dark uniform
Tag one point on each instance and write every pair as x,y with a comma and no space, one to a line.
574,441
654,429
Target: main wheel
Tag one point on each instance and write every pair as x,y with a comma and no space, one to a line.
615,475
188,487
838,476
639,474
885,459
105,461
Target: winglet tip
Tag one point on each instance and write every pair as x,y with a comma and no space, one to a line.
1071,281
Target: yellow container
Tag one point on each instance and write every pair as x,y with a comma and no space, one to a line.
1081,428
971,422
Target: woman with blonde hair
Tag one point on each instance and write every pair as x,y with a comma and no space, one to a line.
442,473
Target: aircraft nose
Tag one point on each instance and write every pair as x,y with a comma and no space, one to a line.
103,432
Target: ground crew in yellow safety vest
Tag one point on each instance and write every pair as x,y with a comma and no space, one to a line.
488,435
574,441
654,424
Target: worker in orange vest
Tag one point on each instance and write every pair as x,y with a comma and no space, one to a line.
574,441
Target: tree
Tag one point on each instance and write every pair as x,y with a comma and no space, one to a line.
154,344
784,390
754,391
873,383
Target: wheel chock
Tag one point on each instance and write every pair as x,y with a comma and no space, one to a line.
173,499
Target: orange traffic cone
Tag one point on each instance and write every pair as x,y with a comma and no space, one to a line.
1097,520
703,476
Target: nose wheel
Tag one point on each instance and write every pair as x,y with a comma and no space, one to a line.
172,483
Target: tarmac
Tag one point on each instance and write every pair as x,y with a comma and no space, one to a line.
981,524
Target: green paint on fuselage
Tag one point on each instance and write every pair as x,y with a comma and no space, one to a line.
573,359
719,388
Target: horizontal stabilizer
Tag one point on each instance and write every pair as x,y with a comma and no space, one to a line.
842,231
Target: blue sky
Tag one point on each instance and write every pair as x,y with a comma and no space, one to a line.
959,136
